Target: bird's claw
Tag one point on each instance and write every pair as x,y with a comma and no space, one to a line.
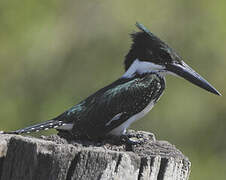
131,140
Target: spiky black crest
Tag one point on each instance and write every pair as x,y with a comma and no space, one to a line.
148,47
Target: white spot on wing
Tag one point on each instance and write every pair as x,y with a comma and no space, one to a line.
116,117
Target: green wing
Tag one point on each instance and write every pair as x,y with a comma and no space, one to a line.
120,100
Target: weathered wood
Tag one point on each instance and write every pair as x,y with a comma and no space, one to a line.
53,158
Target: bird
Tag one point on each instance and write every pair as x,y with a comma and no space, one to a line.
112,109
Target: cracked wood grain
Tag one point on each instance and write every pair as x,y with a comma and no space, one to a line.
53,158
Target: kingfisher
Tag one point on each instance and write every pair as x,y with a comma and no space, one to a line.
112,109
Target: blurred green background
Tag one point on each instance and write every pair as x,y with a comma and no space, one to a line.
55,53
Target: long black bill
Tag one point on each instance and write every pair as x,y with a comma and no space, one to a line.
183,70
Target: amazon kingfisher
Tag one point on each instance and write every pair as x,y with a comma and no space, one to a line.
112,109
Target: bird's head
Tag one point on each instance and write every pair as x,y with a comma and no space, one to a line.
148,54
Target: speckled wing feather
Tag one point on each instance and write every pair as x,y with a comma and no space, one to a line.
127,97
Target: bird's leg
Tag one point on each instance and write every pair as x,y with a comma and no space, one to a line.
131,139
128,140
137,137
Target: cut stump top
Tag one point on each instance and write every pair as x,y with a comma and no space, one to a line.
54,158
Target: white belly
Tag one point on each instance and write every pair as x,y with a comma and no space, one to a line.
122,128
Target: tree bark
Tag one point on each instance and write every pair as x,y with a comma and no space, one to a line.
53,158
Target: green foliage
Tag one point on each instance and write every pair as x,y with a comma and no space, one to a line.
55,53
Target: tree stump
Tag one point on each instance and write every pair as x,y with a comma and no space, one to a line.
53,158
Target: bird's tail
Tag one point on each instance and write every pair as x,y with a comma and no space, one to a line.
37,127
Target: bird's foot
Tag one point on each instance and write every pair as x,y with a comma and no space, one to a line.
137,138
131,140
